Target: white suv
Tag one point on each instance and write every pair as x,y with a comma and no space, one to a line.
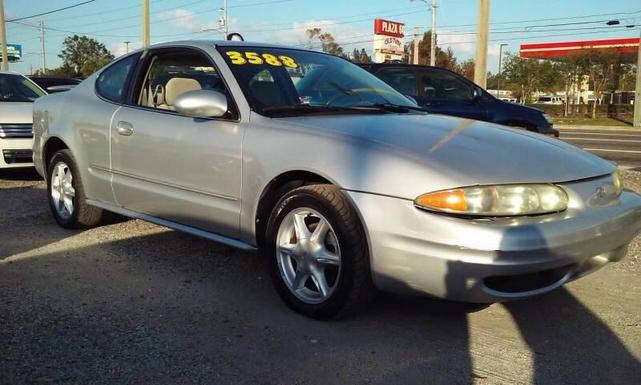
17,94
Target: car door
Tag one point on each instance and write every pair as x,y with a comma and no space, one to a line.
182,169
444,92
402,79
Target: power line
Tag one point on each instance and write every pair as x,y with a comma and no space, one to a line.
52,11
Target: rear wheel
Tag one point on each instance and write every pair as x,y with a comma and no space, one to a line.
317,252
66,193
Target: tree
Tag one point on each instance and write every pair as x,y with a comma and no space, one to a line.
327,42
444,58
525,75
83,55
361,56
601,67
466,69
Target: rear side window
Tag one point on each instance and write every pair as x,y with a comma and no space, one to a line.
112,81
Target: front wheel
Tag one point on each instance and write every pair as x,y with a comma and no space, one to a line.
319,260
67,195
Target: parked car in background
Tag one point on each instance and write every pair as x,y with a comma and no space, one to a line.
55,84
549,100
444,92
17,94
343,183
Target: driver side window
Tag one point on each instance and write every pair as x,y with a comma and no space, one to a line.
441,85
170,74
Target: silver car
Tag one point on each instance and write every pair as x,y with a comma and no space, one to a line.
345,185
17,94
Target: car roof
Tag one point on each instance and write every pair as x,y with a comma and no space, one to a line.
223,43
401,65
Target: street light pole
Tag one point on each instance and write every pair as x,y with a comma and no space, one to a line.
637,92
226,23
498,86
126,46
433,42
42,45
3,39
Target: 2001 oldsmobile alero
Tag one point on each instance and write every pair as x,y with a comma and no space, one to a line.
344,184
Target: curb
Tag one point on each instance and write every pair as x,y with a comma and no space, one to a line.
599,128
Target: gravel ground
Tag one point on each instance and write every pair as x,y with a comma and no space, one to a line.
131,302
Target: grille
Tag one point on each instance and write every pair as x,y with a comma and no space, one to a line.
17,156
16,130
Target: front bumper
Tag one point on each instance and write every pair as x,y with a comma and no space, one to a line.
495,260
16,152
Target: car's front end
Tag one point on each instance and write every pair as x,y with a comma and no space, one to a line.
17,94
487,259
16,135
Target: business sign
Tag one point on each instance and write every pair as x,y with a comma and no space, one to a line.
14,52
389,28
388,40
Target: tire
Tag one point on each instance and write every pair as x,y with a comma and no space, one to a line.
340,258
79,214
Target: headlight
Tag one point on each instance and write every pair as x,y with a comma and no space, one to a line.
618,182
548,119
500,200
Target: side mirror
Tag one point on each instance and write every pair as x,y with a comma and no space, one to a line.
477,93
201,104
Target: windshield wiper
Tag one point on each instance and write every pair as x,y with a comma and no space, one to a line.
309,109
390,107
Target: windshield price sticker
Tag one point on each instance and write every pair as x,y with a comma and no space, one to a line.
242,58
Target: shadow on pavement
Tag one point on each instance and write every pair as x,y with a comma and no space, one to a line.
27,173
571,344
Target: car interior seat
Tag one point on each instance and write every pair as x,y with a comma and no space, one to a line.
175,87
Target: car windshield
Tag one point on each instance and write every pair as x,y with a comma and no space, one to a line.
17,88
290,81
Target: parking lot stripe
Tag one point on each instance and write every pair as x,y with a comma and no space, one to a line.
610,150
603,140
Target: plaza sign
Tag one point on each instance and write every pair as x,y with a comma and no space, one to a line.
388,40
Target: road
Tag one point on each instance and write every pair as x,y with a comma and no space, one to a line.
620,145
134,303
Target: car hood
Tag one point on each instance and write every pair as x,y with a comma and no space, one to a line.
464,152
16,112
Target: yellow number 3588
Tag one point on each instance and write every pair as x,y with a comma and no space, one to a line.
241,58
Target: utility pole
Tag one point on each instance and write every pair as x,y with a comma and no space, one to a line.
145,23
433,41
498,86
637,92
480,69
226,20
126,46
42,46
3,38
416,41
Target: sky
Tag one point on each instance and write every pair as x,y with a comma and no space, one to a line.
512,22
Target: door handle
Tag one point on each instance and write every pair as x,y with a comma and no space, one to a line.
125,128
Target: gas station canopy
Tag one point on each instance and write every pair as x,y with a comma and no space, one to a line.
627,47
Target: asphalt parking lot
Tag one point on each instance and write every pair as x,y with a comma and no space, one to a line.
131,302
